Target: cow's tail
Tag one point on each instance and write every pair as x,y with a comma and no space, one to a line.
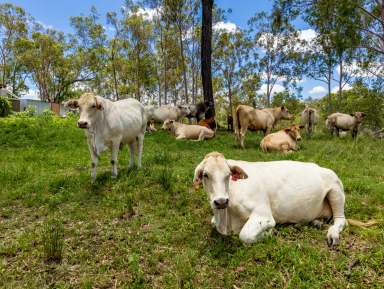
236,123
360,224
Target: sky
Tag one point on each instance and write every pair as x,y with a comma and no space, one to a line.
56,14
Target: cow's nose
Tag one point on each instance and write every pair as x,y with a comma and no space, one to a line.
82,124
298,138
221,203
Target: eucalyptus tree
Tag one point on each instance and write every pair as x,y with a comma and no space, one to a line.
14,23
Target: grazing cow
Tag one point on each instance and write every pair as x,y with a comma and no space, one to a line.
110,124
284,140
248,198
340,121
188,131
209,123
197,111
164,112
309,118
151,126
247,117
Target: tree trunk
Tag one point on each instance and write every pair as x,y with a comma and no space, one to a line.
114,70
183,63
206,53
329,88
340,82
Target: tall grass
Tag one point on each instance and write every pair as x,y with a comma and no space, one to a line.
53,240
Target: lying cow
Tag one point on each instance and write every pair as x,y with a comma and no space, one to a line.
164,112
209,123
309,118
188,131
110,124
248,198
247,117
284,140
340,121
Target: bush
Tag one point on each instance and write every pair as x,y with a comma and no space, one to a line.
5,107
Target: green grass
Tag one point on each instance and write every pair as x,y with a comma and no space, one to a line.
150,229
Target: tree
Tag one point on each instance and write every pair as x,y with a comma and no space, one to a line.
206,52
13,26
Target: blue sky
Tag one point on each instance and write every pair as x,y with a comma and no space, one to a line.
56,14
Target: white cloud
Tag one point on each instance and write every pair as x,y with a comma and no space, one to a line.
345,87
307,34
226,27
276,89
317,90
148,13
45,26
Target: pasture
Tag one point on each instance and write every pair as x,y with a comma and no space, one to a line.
150,229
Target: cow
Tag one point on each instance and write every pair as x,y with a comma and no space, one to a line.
151,126
309,118
247,117
284,140
188,131
209,123
197,111
248,198
164,112
110,125
340,121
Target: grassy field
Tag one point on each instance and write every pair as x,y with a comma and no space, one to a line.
150,229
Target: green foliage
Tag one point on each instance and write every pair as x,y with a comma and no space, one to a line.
5,107
293,104
53,240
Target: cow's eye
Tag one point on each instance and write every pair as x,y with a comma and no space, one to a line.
93,106
205,175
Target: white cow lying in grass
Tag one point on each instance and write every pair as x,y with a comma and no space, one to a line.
110,124
188,131
250,198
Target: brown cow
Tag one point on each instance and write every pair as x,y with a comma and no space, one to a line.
340,121
209,123
309,118
247,117
284,140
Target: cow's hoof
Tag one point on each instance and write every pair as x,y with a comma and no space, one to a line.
333,241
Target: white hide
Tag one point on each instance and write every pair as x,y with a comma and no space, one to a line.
274,192
164,112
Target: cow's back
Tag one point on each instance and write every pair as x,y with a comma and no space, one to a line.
251,117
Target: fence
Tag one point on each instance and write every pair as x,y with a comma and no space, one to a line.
19,105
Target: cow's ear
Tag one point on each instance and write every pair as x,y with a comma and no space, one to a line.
287,130
238,173
72,103
198,177
99,105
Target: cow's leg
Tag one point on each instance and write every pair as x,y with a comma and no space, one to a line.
256,226
242,133
267,131
337,132
115,151
95,161
140,140
132,154
336,201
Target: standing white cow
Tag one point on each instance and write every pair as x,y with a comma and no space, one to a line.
251,197
110,124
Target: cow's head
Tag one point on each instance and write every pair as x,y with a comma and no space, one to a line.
89,105
294,131
284,113
184,110
215,173
359,116
168,124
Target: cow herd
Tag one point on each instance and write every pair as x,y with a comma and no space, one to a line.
247,198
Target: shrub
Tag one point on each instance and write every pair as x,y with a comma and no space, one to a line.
53,240
5,107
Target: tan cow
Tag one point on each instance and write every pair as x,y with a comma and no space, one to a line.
284,140
340,121
186,131
309,118
247,117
